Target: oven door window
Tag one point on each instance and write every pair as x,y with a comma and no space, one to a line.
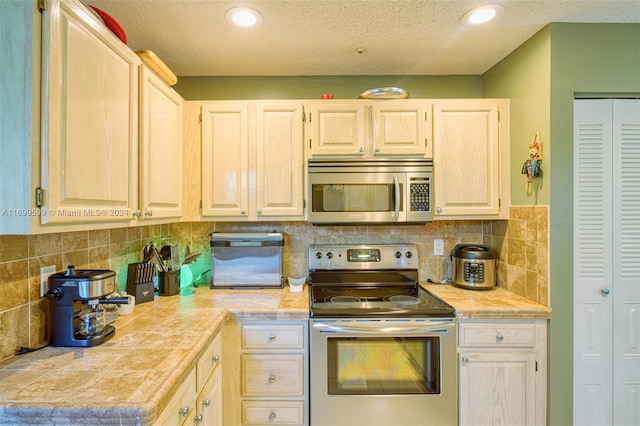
383,365
375,197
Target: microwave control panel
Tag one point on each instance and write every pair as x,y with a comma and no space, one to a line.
419,188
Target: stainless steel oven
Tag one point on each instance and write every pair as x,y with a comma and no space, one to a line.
370,191
382,348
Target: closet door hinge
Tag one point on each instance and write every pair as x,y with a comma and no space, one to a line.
42,5
40,197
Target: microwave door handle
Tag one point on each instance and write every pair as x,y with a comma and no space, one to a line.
396,184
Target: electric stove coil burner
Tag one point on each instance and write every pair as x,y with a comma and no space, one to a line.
404,300
345,299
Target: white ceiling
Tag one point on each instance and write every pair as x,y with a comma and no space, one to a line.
320,37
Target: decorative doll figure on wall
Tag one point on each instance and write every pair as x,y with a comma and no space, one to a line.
531,166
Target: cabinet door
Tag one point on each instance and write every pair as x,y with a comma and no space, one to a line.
90,122
209,403
337,129
225,160
279,160
399,128
497,388
466,162
161,148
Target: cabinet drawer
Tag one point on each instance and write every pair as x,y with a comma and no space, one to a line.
272,412
264,336
182,405
490,334
211,358
272,375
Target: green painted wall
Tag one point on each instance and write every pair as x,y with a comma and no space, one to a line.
542,78
312,87
601,60
524,77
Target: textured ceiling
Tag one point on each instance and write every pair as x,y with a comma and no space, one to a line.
320,37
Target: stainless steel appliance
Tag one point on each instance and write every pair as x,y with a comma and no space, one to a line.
383,349
474,266
370,191
246,260
77,317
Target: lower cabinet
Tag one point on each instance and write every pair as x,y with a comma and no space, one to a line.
266,373
502,372
198,400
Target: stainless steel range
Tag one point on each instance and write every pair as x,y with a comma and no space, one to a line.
383,349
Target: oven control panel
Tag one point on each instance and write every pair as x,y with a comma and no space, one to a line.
344,256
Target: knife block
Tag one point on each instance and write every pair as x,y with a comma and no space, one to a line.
140,281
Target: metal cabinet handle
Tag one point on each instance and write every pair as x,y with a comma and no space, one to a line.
499,337
362,149
439,210
206,402
243,211
377,149
272,378
137,213
605,291
465,359
148,213
259,211
198,418
272,338
215,358
272,416
184,411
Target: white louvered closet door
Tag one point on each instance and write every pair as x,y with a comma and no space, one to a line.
606,262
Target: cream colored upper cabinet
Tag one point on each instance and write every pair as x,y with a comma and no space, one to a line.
90,120
337,128
471,158
365,128
161,135
225,160
252,160
279,160
399,128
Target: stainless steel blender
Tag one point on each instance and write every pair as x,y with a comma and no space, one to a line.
77,317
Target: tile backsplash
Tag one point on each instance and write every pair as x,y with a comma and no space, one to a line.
522,268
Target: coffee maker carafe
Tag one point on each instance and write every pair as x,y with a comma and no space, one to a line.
77,317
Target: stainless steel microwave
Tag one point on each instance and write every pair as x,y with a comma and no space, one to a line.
370,191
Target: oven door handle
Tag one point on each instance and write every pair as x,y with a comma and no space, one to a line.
385,330
396,184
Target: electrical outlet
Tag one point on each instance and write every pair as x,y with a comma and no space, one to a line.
45,271
438,247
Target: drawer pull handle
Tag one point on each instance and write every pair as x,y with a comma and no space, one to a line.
272,378
272,416
272,338
499,337
184,411
215,358
198,418
206,402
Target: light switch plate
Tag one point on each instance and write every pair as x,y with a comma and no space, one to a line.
45,271
438,247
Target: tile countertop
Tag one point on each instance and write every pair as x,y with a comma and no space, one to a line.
128,379
496,303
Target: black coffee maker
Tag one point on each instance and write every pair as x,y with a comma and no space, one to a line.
77,317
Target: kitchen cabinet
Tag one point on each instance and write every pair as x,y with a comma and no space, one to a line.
252,161
267,381
161,146
366,129
502,372
198,400
90,120
471,159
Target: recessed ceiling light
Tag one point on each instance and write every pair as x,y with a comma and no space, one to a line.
243,16
482,14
